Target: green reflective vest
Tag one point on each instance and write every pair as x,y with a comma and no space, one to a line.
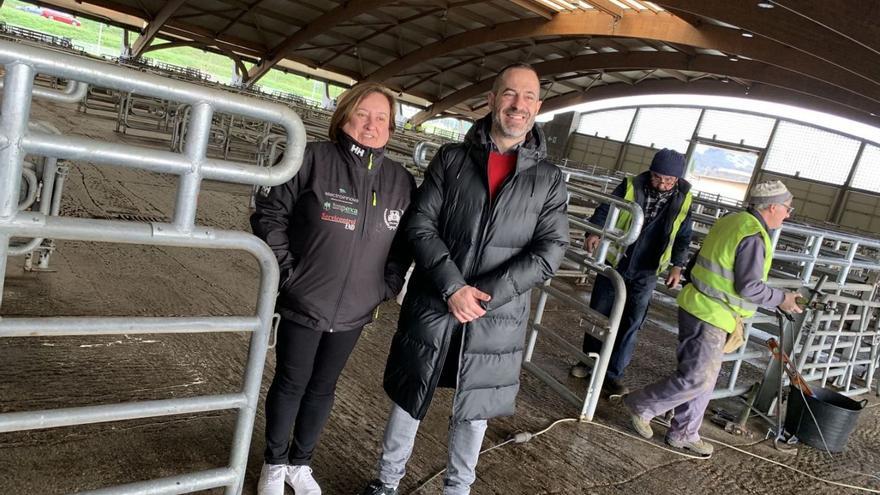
625,219
711,295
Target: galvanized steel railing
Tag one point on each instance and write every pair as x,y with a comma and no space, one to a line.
16,140
599,326
49,180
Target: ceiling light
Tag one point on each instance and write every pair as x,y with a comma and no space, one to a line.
766,4
725,80
733,58
746,34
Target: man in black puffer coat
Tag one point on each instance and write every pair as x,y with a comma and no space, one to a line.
488,224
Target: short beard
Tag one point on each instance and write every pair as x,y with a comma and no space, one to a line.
501,129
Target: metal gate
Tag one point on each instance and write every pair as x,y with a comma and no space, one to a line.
22,63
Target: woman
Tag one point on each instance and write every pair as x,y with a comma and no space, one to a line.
331,228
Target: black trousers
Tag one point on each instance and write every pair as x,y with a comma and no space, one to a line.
308,365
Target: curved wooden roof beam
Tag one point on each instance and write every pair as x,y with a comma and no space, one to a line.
745,69
791,30
155,25
324,22
661,27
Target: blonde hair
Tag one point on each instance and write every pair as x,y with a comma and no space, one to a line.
351,98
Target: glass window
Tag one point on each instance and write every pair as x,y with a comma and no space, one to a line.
735,127
665,127
811,153
609,124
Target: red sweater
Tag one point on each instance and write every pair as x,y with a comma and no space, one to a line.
500,167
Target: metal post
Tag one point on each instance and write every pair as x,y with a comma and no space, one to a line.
836,212
195,149
16,109
623,147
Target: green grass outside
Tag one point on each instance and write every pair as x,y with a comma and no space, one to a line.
100,39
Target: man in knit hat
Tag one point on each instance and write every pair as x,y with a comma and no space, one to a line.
728,282
665,199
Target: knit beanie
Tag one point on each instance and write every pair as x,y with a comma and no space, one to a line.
668,162
768,193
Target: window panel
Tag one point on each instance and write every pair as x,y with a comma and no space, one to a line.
609,124
811,153
735,127
665,127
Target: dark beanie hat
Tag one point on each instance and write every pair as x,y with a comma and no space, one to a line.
668,162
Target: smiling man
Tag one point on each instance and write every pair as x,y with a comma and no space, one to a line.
488,224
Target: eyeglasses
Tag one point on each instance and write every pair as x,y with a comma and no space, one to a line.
789,209
664,179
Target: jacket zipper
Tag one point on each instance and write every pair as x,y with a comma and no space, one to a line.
362,204
475,262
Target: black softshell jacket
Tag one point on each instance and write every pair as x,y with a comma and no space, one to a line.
504,248
332,227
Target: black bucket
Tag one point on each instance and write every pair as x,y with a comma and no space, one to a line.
836,415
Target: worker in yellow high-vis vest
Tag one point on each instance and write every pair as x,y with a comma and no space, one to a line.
728,282
665,199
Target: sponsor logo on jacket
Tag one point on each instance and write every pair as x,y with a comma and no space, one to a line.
392,218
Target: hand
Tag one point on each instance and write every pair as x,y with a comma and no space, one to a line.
591,243
790,304
464,304
674,277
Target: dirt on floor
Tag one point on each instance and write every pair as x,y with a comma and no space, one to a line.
124,280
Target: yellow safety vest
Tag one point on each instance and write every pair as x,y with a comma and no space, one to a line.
711,296
624,220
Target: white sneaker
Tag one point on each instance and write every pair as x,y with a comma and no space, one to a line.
300,479
272,479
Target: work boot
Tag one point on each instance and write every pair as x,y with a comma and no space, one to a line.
376,487
579,370
272,479
613,387
300,479
641,426
699,447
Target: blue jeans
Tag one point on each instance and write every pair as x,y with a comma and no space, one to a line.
638,299
465,439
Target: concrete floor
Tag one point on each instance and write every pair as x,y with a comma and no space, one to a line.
101,279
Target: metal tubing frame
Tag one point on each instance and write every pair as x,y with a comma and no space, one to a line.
73,92
123,79
600,361
53,183
420,153
22,63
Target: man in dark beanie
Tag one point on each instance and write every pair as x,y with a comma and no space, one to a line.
665,199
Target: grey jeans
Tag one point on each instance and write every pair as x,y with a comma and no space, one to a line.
465,440
688,390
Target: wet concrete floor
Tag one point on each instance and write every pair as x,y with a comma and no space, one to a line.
119,280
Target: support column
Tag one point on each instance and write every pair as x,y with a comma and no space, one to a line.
195,150
836,211
629,135
14,115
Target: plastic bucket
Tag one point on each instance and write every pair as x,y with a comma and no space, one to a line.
836,416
